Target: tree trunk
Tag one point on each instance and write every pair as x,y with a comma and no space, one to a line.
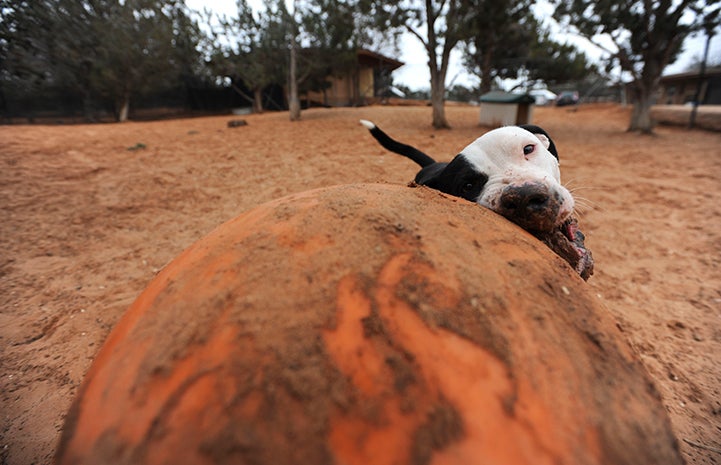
438,100
486,79
293,99
123,107
88,112
643,90
438,73
641,120
258,100
643,93
438,93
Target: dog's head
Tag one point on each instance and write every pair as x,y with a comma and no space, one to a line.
511,171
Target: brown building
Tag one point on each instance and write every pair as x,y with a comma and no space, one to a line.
367,83
678,89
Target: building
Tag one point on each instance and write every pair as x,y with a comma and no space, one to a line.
367,83
506,109
679,89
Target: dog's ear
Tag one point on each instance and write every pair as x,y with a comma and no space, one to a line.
544,140
543,136
458,178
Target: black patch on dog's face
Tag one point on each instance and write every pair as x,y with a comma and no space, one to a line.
458,178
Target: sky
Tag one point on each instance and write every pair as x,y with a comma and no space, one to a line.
415,75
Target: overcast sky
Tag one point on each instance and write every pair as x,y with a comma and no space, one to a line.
414,73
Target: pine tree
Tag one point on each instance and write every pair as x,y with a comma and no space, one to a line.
647,35
446,23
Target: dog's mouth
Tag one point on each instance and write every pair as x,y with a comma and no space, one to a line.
567,241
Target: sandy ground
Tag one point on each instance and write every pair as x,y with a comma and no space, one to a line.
91,213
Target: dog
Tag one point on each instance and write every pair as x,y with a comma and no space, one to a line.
512,170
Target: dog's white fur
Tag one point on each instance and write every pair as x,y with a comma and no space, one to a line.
500,154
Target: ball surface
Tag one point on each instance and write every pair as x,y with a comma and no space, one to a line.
367,324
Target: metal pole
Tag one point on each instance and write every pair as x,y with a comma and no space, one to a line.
710,22
701,75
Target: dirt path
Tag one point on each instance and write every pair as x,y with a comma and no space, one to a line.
90,213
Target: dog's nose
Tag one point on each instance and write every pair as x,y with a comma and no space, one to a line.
525,199
530,205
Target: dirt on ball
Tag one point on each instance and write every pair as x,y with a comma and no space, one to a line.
405,353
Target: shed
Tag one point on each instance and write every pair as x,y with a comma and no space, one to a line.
364,84
679,89
500,108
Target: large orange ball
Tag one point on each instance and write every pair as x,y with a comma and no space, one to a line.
367,324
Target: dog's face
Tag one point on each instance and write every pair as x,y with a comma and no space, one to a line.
511,171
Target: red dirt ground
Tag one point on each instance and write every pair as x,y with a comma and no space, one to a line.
90,213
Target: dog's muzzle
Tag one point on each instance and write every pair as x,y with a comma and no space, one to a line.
532,206
535,207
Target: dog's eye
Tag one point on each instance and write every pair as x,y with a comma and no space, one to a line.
528,149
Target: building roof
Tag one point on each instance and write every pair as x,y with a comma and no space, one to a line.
691,75
373,58
497,96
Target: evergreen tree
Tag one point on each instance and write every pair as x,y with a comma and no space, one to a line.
104,49
647,36
445,22
331,33
555,63
499,35
251,49
508,42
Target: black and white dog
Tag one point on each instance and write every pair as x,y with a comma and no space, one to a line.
514,171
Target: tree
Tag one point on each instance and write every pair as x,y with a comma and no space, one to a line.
333,37
250,48
647,35
300,47
497,38
460,93
101,49
293,98
46,45
136,48
331,32
507,42
555,63
445,23
710,23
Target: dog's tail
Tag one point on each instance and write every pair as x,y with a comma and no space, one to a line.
397,147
